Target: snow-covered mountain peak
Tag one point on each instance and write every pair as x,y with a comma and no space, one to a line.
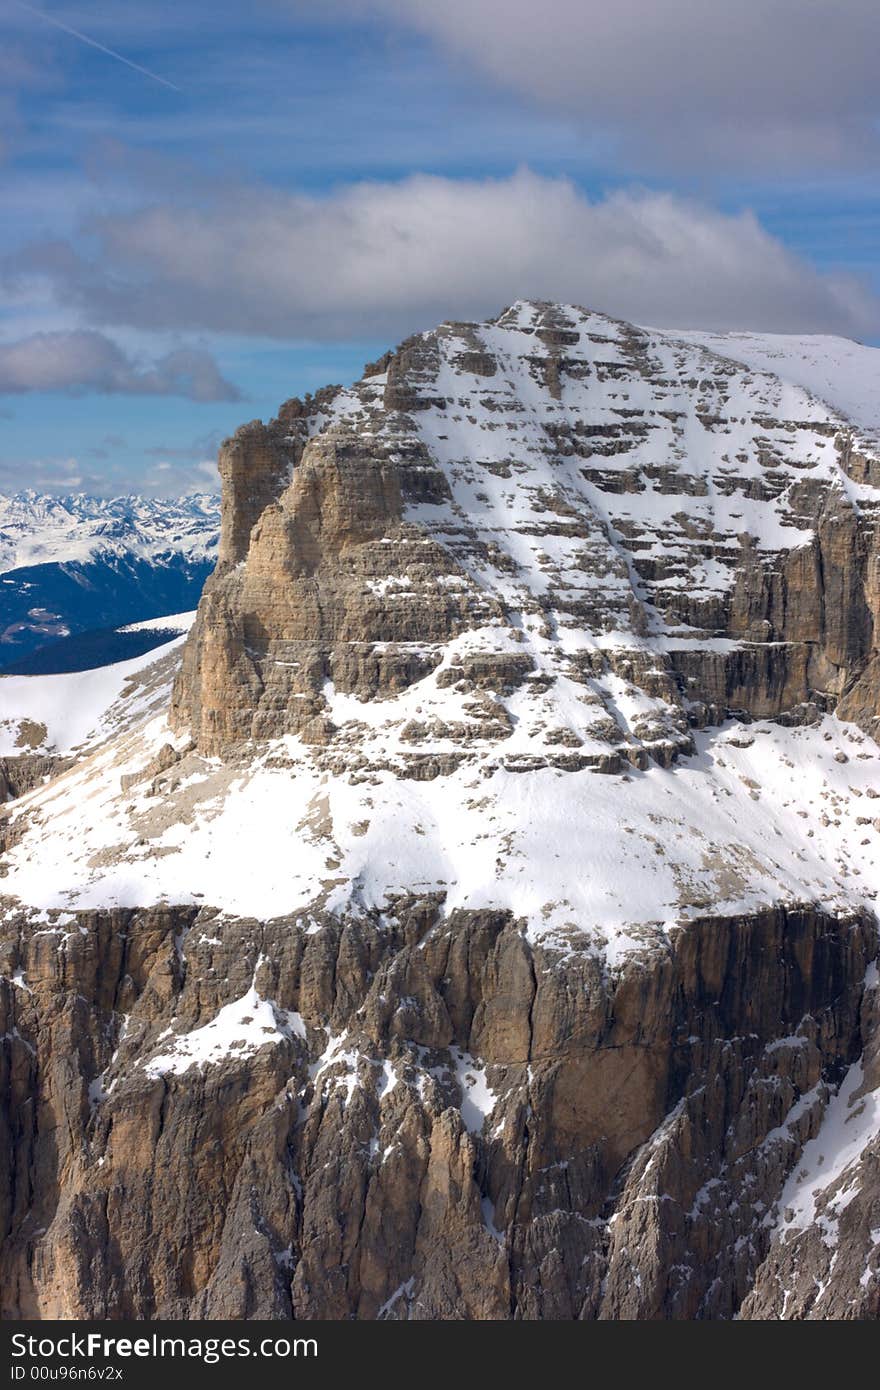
498,897
475,624
41,528
843,373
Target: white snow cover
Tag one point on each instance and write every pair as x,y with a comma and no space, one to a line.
174,622
240,1029
40,529
771,815
478,1100
851,1120
700,471
844,373
82,708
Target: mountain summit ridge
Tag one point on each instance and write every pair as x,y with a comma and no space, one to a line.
478,918
629,491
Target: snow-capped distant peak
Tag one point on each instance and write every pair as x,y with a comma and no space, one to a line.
38,528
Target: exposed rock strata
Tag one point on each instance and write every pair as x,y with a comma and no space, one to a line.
527,480
25,771
548,1045
619,1155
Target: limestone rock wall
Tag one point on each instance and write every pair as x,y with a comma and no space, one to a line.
542,477
433,1119
26,770
554,545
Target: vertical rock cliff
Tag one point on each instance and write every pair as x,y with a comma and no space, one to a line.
484,924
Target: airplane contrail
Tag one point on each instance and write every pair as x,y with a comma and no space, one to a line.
93,43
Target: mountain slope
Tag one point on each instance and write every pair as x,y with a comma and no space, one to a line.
69,713
844,374
41,529
487,929
76,564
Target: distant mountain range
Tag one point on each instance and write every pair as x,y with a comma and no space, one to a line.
77,564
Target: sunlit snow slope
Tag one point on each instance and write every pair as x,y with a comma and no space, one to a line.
588,499
837,370
71,713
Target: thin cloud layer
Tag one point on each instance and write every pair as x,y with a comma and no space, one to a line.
758,82
173,479
45,475
382,259
76,361
68,475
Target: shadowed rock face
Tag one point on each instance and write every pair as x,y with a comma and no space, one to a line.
545,1045
19,774
613,1153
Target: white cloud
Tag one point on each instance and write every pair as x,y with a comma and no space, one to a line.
73,361
380,259
175,479
755,81
66,475
44,474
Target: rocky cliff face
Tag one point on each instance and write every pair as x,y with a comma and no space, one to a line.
584,496
425,1119
489,929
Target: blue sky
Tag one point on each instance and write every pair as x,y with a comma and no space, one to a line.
321,179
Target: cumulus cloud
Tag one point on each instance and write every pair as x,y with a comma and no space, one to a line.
75,361
756,81
380,259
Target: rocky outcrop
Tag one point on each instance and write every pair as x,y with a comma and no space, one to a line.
309,604
548,474
415,1117
445,1025
21,773
827,1266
